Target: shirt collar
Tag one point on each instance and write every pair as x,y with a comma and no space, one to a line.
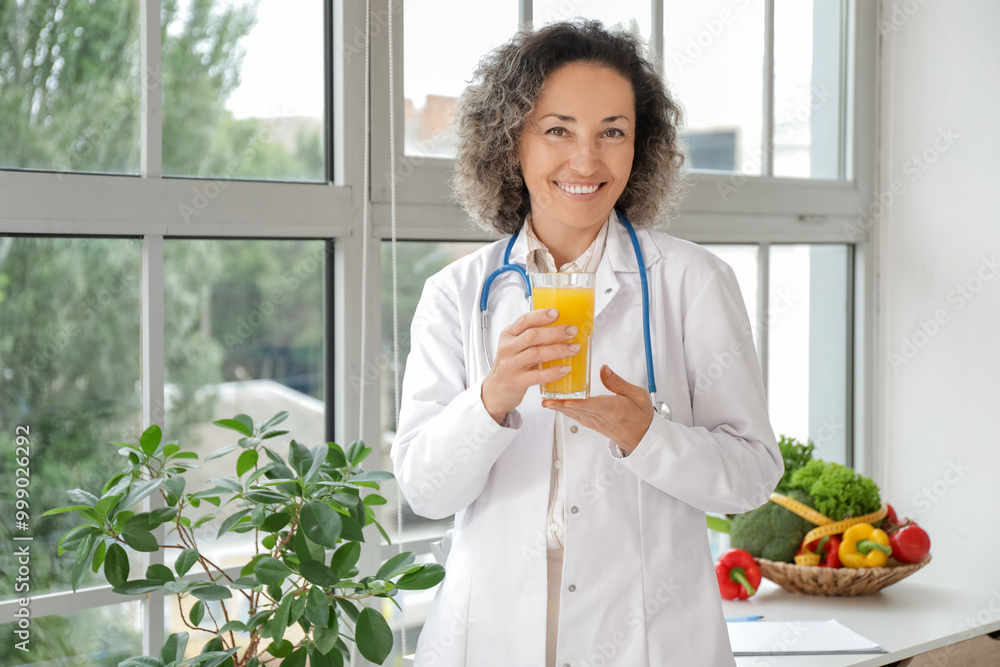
539,259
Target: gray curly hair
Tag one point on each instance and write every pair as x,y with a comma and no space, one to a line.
492,112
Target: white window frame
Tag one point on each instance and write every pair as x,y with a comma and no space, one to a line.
764,210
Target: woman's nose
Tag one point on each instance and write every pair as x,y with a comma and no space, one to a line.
585,157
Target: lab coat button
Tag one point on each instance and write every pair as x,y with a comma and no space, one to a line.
574,509
554,527
607,291
572,587
573,429
557,464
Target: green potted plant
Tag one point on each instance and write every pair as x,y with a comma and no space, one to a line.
297,508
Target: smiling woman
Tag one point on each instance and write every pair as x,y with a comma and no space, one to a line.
570,515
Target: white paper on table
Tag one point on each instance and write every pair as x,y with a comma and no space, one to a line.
797,638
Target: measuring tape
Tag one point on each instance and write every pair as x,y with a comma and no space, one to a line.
825,525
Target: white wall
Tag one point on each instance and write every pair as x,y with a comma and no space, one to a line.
939,394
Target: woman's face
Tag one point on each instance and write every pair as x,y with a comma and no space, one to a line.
577,147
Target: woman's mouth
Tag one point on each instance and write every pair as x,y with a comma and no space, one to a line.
579,191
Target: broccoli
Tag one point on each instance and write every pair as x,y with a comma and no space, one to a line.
837,492
771,531
795,455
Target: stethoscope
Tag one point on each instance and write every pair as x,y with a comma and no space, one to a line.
660,407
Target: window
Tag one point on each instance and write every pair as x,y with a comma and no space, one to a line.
69,358
175,220
243,92
69,90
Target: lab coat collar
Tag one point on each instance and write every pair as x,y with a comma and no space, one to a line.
618,250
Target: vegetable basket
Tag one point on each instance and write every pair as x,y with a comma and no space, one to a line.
815,580
805,576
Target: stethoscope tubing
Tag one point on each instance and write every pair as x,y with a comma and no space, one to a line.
661,408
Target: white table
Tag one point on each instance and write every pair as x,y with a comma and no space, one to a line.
911,617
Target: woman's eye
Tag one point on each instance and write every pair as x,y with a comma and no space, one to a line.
557,131
613,132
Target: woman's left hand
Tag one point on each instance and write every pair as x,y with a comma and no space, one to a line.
624,417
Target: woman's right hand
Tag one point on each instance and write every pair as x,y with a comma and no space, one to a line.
523,345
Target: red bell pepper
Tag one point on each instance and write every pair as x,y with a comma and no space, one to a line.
910,543
738,575
827,548
891,521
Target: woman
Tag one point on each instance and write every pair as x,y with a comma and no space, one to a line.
580,532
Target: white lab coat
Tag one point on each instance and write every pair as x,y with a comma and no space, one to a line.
638,584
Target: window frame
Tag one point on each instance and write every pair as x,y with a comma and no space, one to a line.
763,210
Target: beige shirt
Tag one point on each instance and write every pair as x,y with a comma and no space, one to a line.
539,260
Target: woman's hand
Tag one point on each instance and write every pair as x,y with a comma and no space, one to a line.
523,345
623,418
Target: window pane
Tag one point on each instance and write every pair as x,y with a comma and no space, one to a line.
436,69
416,261
100,637
808,53
243,89
713,58
808,325
69,86
69,361
244,335
634,15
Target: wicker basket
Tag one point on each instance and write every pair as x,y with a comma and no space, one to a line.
814,580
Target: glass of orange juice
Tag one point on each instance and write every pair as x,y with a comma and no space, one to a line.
572,294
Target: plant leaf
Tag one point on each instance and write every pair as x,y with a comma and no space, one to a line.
274,421
185,560
158,572
373,476
275,522
299,457
61,510
345,558
373,636
82,497
335,455
397,562
141,661
237,626
197,612
138,537
428,576
317,607
116,566
326,638
281,649
318,458
138,587
236,424
317,659
270,570
296,659
174,648
316,572
221,451
231,521
246,461
174,488
150,439
320,523
140,491
212,593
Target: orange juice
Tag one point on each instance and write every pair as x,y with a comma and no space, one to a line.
575,306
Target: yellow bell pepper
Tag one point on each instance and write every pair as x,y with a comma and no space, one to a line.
864,545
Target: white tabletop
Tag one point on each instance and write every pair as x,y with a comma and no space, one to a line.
911,617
